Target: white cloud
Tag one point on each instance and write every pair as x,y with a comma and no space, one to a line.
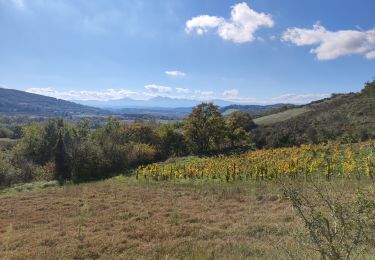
182,90
231,93
240,28
332,45
157,89
109,94
203,95
298,98
175,73
201,24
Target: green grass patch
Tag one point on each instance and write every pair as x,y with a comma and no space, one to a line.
282,116
28,187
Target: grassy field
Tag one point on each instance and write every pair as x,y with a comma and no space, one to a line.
125,218
279,117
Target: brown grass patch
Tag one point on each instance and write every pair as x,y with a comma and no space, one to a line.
112,220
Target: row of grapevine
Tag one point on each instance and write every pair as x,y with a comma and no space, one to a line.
327,160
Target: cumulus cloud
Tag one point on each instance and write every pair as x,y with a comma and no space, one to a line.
231,93
175,73
298,98
109,94
201,24
331,45
239,28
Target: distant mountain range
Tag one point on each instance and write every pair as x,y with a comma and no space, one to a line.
156,102
16,102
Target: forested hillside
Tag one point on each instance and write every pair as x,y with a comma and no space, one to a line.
20,102
349,117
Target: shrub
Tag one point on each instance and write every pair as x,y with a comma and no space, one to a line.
8,173
339,226
45,172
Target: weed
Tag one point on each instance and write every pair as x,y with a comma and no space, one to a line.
175,216
8,239
82,219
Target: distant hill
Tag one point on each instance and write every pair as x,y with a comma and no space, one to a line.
155,103
20,102
349,117
175,113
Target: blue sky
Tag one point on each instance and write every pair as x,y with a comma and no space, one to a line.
256,51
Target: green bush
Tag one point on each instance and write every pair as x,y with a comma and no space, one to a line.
338,226
8,173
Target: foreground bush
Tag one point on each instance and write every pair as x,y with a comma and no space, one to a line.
338,226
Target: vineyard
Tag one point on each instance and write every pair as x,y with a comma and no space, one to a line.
325,160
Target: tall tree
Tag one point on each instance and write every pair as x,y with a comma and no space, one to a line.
171,142
63,172
205,128
239,126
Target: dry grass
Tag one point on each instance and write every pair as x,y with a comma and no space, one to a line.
122,219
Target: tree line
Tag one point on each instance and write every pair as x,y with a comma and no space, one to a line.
63,151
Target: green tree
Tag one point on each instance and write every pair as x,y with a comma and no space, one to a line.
62,163
114,144
205,128
140,133
30,145
239,125
172,142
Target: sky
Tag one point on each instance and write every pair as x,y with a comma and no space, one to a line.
256,51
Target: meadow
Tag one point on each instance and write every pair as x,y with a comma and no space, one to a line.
125,218
281,116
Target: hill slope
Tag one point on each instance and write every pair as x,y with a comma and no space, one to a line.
280,116
350,117
256,110
20,102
